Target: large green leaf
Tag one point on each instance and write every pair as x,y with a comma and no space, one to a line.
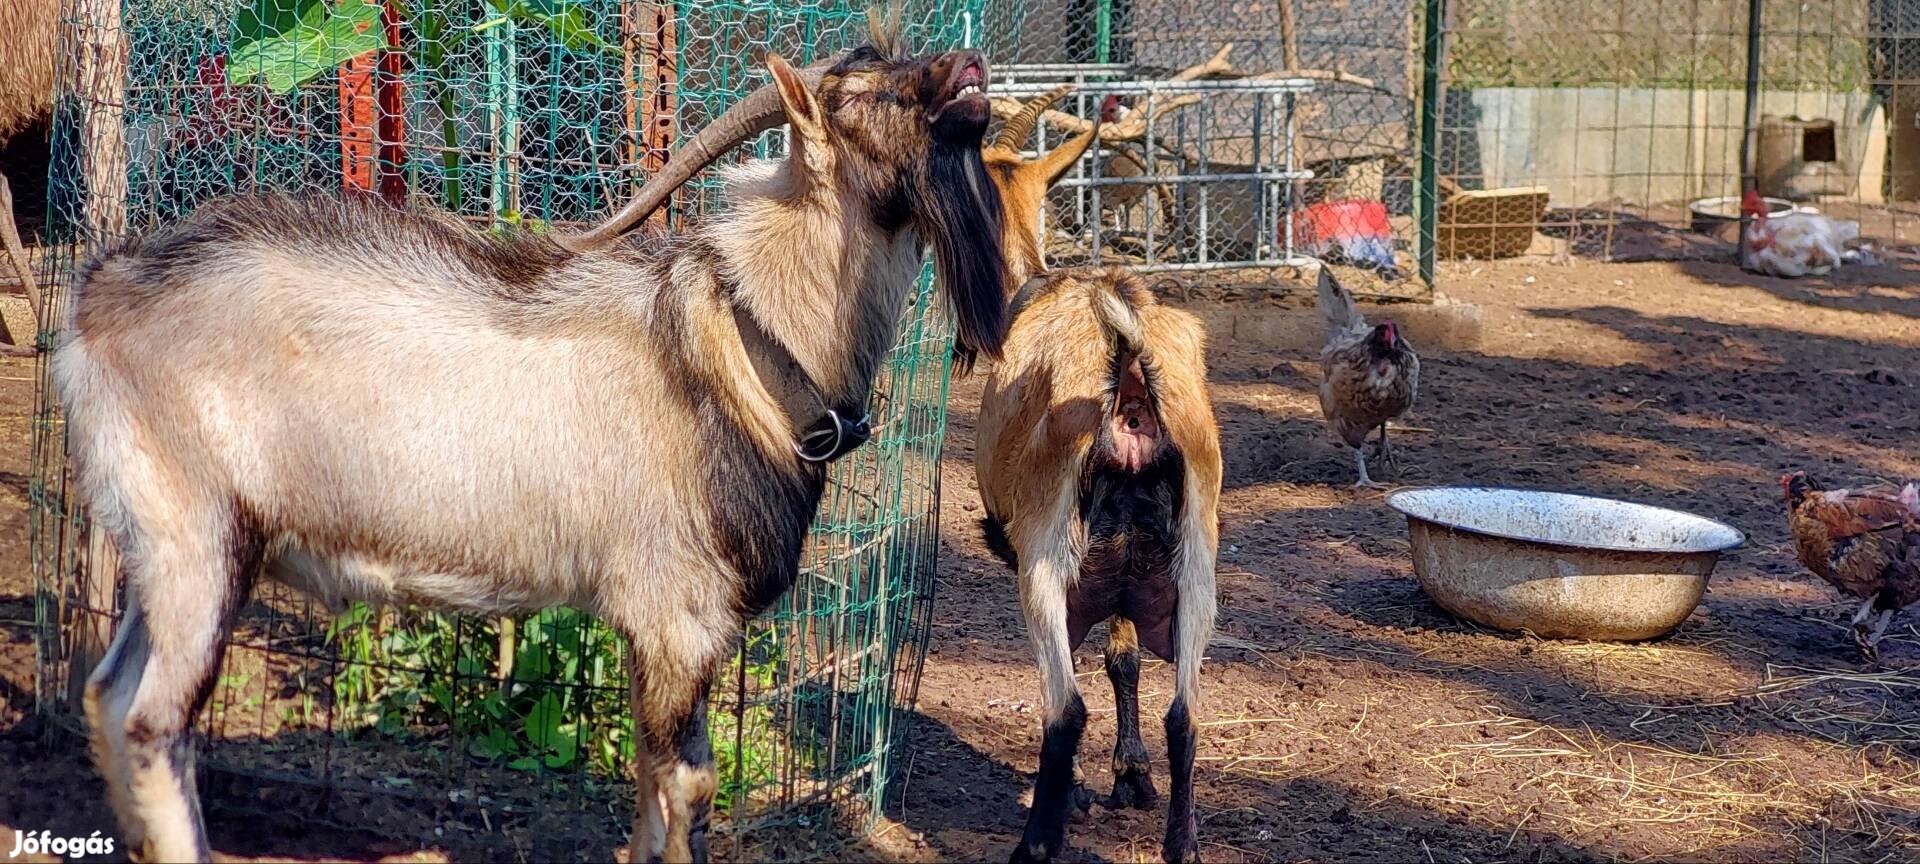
562,18
543,722
265,19
322,39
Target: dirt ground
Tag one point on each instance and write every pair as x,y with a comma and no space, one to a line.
1348,717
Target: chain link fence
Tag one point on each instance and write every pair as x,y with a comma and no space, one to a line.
511,733
1384,135
1624,129
1245,134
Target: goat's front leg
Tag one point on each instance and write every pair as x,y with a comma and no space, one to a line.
672,699
1132,775
649,838
1043,583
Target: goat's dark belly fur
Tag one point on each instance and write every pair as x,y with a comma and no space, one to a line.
1132,537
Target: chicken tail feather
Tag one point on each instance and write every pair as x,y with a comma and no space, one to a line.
1337,304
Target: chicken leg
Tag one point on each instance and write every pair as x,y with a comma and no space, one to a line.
1360,464
1870,644
1868,639
1384,449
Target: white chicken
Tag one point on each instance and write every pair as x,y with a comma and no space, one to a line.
1796,244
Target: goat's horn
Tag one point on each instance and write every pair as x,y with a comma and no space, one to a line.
749,117
1015,131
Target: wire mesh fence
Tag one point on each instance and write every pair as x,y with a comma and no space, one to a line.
1241,135
1623,129
513,114
1276,130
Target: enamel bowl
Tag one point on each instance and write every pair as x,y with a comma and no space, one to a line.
1559,565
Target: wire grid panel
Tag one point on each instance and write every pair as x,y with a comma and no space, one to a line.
1352,134
536,112
1630,117
1168,198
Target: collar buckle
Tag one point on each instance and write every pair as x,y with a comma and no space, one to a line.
832,437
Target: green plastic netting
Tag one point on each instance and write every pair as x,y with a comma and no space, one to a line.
502,111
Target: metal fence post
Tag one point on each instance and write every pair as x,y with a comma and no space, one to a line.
1103,32
1748,181
1427,205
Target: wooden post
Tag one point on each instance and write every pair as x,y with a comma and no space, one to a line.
103,99
358,124
651,32
1289,37
508,649
101,73
373,128
391,92
93,620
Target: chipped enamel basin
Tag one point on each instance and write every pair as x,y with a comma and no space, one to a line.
1560,565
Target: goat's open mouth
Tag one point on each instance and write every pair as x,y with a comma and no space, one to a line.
964,95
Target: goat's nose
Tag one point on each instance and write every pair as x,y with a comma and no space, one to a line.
952,61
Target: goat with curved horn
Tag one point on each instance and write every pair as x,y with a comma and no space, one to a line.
1023,183
1015,131
757,113
368,403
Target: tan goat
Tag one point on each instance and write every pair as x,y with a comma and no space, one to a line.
1099,464
375,404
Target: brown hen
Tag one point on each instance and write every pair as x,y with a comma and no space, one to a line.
1866,542
1368,375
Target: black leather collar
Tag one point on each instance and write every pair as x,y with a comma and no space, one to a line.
823,432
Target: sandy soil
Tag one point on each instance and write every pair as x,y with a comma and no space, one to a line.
1347,716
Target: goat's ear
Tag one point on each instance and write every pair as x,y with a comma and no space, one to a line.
803,107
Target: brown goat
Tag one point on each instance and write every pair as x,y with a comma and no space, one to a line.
29,42
311,391
1024,182
1099,463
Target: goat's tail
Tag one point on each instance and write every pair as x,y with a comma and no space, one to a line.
1114,307
1336,303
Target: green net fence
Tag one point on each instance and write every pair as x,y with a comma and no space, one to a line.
503,738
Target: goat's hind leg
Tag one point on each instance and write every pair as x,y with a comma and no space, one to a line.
142,698
1192,631
1132,774
1043,589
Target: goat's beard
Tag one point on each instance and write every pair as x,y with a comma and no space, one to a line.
961,210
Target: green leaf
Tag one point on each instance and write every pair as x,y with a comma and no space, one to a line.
321,40
565,748
524,763
265,19
530,662
543,722
492,745
562,18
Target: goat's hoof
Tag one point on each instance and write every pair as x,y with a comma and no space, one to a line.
1025,853
1083,798
1187,852
1133,788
